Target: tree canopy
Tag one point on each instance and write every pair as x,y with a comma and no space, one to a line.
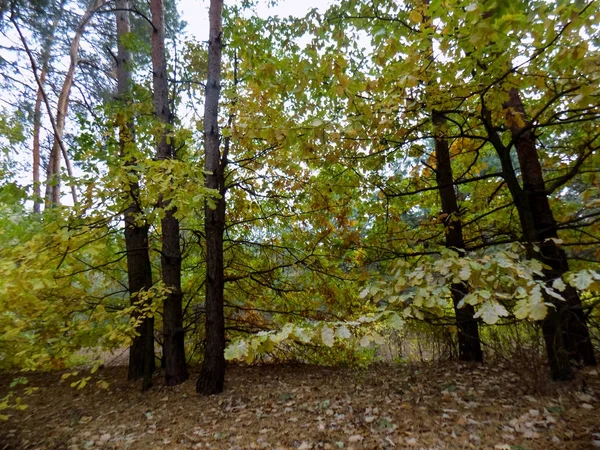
297,188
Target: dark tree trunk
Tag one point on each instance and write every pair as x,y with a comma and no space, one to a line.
212,375
574,326
174,344
558,357
469,345
139,269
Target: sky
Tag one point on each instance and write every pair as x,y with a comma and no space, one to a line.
195,12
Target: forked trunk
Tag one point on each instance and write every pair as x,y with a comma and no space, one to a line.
573,321
558,357
62,108
37,111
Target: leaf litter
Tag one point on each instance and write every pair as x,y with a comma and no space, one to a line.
426,406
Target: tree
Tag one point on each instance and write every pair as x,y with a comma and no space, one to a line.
469,346
212,374
173,332
37,114
139,268
58,145
565,329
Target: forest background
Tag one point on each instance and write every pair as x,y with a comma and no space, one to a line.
416,176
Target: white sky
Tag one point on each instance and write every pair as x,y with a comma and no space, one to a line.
195,12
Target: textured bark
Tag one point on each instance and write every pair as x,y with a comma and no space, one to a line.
572,317
58,148
469,345
139,269
212,375
173,344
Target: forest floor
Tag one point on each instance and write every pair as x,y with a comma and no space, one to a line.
423,406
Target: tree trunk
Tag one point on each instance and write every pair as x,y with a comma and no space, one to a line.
62,110
37,111
174,343
212,375
469,345
558,357
139,269
574,326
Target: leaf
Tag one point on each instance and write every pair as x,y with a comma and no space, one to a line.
395,321
583,279
302,334
559,285
490,312
538,311
327,336
343,332
365,341
465,273
554,294
415,16
236,351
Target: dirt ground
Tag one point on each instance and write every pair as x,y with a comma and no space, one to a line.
441,406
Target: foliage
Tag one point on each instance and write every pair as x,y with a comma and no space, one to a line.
333,226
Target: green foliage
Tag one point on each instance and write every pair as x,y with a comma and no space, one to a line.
334,230
360,332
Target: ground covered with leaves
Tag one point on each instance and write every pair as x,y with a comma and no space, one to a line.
441,406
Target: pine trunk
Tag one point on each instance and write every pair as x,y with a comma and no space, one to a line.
469,345
174,337
37,111
58,148
139,269
212,375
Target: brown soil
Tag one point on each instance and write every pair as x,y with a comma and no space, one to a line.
441,406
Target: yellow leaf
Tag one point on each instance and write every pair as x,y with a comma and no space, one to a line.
415,16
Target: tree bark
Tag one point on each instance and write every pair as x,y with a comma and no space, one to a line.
37,111
212,375
558,356
469,344
139,268
62,110
174,338
574,326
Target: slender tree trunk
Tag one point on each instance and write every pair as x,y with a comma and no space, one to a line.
139,269
576,333
469,345
37,111
173,346
63,107
212,375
